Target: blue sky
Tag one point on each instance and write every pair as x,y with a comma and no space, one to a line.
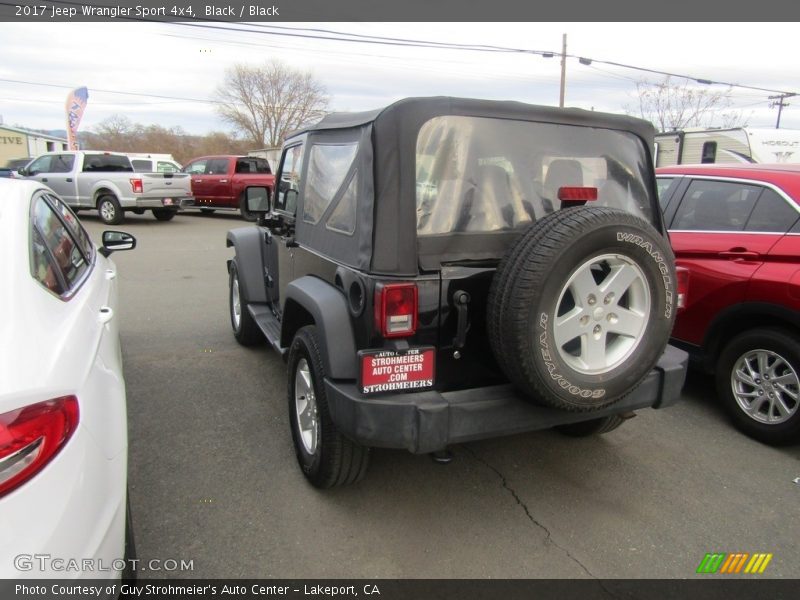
189,62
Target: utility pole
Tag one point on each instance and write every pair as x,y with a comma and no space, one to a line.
563,69
779,102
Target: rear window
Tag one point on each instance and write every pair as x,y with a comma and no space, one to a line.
483,175
106,163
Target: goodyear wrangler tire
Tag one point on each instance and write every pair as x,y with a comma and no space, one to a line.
581,307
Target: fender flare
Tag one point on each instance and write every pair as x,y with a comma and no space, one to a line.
249,262
327,306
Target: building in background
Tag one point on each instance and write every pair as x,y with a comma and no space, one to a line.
21,143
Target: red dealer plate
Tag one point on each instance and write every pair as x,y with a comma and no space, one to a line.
391,371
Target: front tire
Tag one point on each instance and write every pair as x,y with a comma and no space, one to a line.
109,210
245,329
325,456
758,381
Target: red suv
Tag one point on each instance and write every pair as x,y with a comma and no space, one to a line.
735,229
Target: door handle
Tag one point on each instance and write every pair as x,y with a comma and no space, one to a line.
69,179
44,179
223,181
740,254
106,314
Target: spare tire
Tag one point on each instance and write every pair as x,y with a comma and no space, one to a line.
582,306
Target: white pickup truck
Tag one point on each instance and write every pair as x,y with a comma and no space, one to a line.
106,181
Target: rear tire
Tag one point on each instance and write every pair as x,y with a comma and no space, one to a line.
110,211
325,456
164,214
758,381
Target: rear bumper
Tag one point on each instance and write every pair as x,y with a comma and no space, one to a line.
428,421
174,203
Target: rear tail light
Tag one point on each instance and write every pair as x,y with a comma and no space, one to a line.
136,186
396,309
31,436
682,275
577,194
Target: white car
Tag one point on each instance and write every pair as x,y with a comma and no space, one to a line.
63,422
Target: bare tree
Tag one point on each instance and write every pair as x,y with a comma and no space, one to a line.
670,105
268,102
119,134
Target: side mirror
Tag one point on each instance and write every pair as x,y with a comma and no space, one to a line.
257,198
23,172
114,241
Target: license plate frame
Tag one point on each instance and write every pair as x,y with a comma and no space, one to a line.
382,371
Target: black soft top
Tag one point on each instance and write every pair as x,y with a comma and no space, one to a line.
387,237
410,113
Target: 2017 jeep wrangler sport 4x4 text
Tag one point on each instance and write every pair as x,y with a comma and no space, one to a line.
445,270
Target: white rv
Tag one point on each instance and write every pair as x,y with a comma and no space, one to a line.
736,145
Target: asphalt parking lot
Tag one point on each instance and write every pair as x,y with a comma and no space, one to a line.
213,478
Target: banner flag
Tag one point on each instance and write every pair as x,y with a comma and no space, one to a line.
76,104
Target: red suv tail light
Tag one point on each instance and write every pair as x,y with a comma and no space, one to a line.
682,275
31,436
136,186
396,309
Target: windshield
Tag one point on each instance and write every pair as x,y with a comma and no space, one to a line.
482,175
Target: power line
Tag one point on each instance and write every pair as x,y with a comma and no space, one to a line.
363,39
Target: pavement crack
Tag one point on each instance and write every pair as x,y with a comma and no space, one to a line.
549,536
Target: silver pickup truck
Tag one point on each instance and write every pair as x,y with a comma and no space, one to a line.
106,181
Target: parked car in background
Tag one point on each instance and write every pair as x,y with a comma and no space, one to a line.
12,167
736,229
106,181
154,163
63,424
218,182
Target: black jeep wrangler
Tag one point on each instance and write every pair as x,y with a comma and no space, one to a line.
445,270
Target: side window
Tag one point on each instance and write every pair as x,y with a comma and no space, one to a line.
710,205
772,214
197,167
245,165
59,258
43,266
167,167
217,166
73,225
40,165
141,165
343,217
328,165
62,163
662,185
709,153
289,184
262,166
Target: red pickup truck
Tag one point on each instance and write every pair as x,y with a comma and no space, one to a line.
218,182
